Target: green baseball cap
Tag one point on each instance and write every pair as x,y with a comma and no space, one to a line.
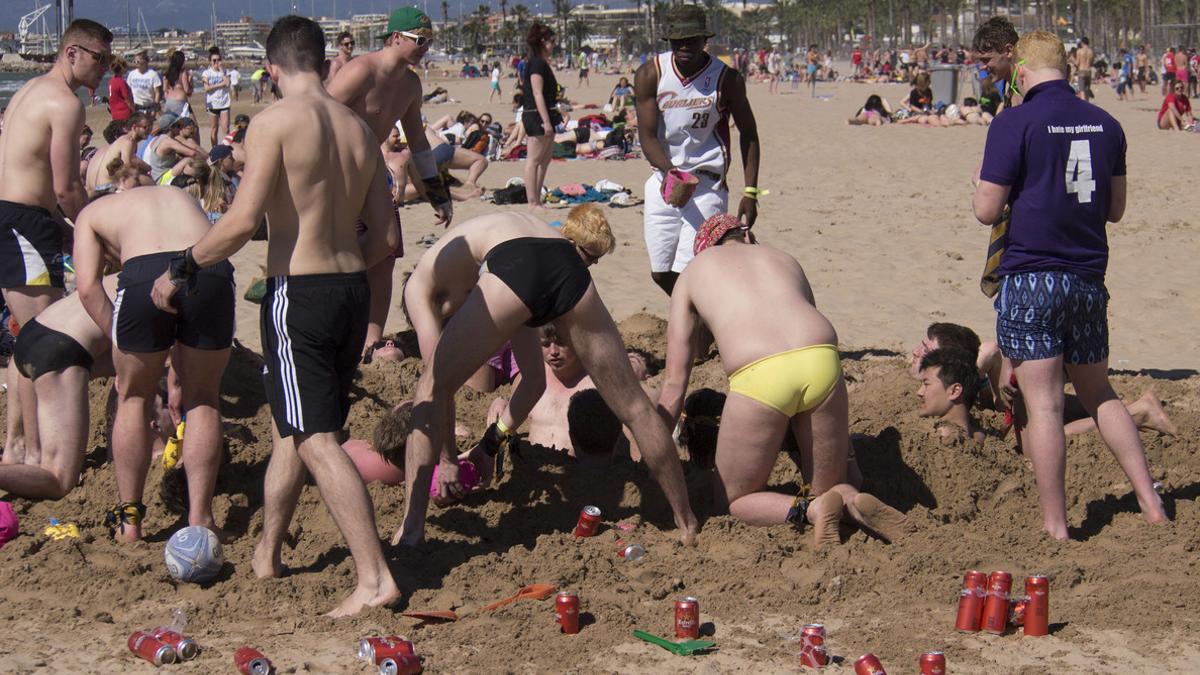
407,19
686,21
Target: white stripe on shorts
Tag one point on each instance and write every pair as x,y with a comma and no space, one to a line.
288,382
115,314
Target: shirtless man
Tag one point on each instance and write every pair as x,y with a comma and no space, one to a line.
144,228
1084,60
1141,62
684,99
60,350
781,357
345,43
383,88
124,147
532,276
314,315
40,184
993,46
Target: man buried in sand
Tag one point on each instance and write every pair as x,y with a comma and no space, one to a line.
60,350
1059,163
784,372
144,227
949,382
498,277
564,376
314,315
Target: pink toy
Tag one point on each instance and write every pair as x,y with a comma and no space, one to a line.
467,475
678,187
9,528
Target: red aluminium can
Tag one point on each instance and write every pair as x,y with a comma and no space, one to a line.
687,618
566,612
1037,605
250,661
970,602
150,648
376,649
812,646
933,663
185,647
995,606
400,664
868,664
589,521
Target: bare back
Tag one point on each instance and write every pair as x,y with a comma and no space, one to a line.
1084,58
98,175
756,301
376,98
69,317
42,105
145,220
325,159
446,273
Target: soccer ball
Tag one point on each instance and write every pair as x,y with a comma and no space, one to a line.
194,554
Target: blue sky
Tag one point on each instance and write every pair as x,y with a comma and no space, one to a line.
194,14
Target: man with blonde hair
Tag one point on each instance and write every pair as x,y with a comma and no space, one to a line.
498,278
1058,162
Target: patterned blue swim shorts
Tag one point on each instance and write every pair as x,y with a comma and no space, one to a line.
1041,315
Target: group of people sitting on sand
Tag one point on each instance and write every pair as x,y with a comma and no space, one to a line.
921,108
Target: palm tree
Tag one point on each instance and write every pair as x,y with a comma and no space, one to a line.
503,12
521,18
578,32
445,15
562,9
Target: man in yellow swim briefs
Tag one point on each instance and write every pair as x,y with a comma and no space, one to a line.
784,370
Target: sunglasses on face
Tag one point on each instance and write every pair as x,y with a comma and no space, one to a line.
420,40
347,44
101,57
588,258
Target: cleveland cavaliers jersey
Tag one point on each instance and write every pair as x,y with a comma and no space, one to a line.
693,121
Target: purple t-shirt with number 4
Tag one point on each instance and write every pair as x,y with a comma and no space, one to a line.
1059,154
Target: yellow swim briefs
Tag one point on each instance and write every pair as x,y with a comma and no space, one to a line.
791,382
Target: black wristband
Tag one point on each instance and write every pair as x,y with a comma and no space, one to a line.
436,190
182,266
492,441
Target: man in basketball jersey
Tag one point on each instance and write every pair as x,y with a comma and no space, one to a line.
685,98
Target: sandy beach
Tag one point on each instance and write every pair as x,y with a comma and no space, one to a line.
881,220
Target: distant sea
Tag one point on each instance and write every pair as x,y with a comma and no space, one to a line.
11,82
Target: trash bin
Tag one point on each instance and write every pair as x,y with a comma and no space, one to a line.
944,81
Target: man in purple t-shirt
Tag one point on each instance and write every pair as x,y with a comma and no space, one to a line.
1059,164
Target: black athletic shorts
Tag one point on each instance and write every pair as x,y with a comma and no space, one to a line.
206,308
533,122
31,244
546,273
313,329
42,350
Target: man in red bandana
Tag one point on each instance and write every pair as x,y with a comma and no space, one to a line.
785,374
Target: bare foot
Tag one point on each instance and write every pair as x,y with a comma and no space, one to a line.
881,518
127,533
364,597
267,564
825,512
1156,418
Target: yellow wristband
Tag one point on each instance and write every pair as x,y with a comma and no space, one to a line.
504,430
755,193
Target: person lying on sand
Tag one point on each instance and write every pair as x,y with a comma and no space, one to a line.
532,275
781,357
565,376
995,393
60,349
949,381
382,458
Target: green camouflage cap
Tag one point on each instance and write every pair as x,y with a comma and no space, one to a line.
686,21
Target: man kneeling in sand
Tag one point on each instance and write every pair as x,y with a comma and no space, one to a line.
60,349
784,372
496,277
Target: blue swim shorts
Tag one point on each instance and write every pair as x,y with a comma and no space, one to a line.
1041,315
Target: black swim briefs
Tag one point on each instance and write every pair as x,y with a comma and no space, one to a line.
313,329
31,244
42,350
206,310
546,273
532,121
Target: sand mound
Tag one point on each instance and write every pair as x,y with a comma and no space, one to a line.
1119,592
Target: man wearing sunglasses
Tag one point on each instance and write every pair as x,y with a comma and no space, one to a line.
345,44
40,181
383,88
